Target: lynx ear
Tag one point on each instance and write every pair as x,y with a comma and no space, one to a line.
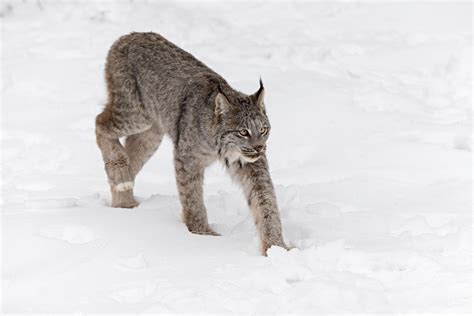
222,104
259,96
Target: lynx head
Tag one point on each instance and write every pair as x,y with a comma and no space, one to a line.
242,125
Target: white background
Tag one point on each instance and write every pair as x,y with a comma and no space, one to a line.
370,153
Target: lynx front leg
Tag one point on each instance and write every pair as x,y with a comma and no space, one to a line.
258,188
189,178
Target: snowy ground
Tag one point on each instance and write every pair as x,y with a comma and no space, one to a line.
370,152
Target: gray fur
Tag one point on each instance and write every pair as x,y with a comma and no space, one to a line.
154,87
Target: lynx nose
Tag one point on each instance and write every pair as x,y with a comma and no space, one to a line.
259,148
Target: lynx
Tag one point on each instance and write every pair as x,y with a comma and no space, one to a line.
156,88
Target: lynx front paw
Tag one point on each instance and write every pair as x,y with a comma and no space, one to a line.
208,231
201,229
197,224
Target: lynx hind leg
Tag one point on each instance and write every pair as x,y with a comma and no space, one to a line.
109,129
140,147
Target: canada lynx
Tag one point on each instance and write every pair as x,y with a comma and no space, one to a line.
154,87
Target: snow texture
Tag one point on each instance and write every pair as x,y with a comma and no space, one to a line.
370,152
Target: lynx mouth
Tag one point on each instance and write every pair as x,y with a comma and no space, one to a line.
251,157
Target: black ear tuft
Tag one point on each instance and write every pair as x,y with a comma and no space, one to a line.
259,95
260,90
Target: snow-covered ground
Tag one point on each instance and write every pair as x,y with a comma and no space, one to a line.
370,152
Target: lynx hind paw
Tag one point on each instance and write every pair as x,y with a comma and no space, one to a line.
123,199
131,204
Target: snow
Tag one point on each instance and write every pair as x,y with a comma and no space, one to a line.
370,152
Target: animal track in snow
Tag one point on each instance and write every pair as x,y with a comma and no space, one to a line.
133,294
73,234
132,263
54,203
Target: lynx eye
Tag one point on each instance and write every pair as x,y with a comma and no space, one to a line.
243,132
264,130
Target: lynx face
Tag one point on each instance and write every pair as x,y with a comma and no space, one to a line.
244,127
247,134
